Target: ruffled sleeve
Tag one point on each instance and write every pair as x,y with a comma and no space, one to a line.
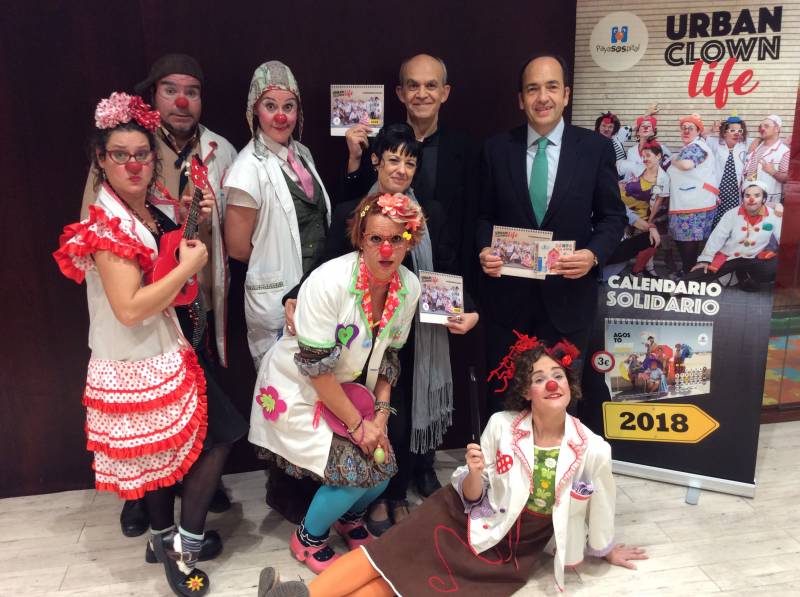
98,232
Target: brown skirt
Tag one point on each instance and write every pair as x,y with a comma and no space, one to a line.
429,554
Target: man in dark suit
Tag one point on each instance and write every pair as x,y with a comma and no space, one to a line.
443,184
553,176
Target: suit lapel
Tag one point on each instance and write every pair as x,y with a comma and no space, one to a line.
518,167
567,166
446,162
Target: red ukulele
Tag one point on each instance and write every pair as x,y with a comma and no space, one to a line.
170,241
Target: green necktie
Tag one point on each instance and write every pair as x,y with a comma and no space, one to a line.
537,185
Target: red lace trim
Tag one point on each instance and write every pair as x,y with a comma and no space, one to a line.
192,374
198,420
168,480
79,240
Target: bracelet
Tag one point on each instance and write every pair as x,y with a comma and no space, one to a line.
355,427
350,432
385,406
650,225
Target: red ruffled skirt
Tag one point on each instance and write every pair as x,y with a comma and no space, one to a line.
145,421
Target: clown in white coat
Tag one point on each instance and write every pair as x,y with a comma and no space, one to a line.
263,187
745,241
539,481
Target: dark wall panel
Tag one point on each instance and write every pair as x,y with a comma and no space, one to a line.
57,58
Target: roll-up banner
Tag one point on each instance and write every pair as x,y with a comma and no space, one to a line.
698,100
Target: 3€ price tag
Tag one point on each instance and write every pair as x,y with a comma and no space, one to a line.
603,361
645,421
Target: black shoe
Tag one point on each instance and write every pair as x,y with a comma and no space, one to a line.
427,482
183,578
134,519
220,501
211,548
288,496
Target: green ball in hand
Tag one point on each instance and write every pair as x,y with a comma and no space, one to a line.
379,455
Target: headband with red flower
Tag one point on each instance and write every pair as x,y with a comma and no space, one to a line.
120,108
400,209
563,352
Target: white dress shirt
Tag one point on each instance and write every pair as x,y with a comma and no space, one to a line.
553,153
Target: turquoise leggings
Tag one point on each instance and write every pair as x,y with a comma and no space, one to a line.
330,503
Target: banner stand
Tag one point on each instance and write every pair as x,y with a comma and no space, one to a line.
694,483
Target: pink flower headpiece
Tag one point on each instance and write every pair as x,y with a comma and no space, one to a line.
401,209
120,108
563,352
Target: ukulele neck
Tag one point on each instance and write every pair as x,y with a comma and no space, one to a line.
190,227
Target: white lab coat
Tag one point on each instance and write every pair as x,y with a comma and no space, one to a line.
581,524
276,263
693,190
328,302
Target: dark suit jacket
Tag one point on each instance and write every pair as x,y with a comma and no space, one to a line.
585,207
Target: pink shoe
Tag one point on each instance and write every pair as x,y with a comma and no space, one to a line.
306,555
345,528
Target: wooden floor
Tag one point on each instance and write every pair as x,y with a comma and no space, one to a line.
70,543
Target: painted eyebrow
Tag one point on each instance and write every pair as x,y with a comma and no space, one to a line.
551,369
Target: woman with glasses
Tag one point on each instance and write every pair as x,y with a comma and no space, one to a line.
153,418
693,192
353,315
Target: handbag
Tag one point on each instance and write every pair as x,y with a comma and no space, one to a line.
360,396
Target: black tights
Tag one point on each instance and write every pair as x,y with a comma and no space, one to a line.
689,251
199,485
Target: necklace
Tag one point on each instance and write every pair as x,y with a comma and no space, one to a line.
156,230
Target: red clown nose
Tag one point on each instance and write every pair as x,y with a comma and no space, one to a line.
133,167
181,102
386,251
551,386
279,119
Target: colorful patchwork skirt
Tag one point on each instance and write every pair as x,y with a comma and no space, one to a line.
691,226
347,466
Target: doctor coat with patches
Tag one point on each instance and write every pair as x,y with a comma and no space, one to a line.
582,524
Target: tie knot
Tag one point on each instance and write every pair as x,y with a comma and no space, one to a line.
542,142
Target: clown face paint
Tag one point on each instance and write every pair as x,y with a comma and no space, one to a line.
384,257
277,114
177,98
753,199
549,386
132,178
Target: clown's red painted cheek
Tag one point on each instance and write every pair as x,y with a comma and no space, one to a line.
133,167
551,386
386,251
181,103
279,119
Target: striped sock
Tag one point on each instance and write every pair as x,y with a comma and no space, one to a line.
190,541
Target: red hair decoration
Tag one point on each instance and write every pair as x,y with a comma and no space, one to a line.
563,352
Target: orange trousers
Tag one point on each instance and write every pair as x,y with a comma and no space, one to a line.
350,576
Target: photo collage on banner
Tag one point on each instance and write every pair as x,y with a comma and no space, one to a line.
698,102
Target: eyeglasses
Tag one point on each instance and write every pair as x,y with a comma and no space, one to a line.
119,156
688,128
376,240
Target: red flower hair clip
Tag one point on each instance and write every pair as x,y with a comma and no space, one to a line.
401,209
563,352
121,108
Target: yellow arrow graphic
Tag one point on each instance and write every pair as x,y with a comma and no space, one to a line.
657,422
